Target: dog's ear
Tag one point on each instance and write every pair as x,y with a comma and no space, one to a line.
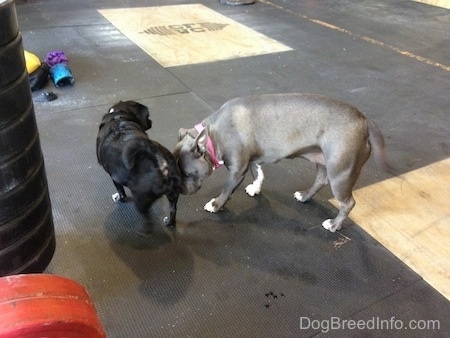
182,133
143,115
118,106
176,151
199,146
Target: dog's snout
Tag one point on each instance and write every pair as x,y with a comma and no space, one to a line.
189,188
187,192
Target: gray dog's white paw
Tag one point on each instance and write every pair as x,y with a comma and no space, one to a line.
330,226
210,206
252,189
298,196
115,197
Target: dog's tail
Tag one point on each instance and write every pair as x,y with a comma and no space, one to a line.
376,140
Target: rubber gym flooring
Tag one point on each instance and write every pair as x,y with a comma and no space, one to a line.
264,266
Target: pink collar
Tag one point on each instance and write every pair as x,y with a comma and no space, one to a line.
209,145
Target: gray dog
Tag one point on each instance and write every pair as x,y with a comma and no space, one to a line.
248,131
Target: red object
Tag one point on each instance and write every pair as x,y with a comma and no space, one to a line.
40,305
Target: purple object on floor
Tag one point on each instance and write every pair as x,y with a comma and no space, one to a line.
56,57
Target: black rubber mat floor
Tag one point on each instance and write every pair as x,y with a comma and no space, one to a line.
264,266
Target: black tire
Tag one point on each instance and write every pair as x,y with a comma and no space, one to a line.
12,61
10,107
8,18
26,254
27,238
17,136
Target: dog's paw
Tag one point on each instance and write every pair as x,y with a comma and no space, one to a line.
210,206
298,195
252,189
168,223
115,197
331,226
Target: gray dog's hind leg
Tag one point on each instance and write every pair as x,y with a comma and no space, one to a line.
320,182
340,191
345,207
342,178
255,188
342,185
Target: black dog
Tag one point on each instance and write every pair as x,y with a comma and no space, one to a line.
133,160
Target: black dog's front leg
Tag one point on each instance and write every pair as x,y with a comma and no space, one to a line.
173,200
120,195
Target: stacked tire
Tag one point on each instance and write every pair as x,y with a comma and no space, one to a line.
40,305
27,238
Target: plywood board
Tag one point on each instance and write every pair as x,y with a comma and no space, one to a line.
187,34
439,3
410,216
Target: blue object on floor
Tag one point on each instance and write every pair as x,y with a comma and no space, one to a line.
61,75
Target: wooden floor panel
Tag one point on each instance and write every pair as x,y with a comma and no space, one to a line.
439,3
189,34
410,216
